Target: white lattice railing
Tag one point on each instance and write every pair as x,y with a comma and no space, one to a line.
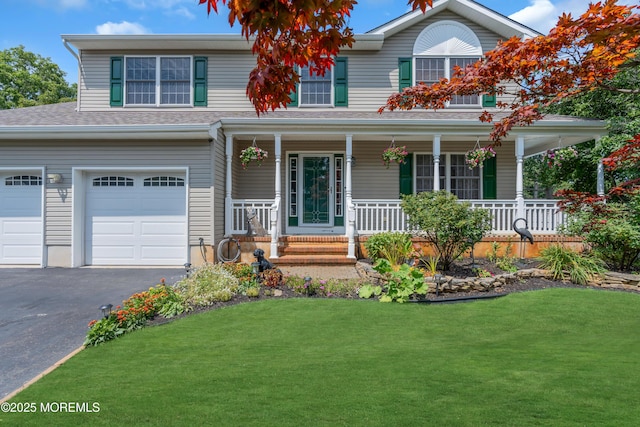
240,215
375,215
543,216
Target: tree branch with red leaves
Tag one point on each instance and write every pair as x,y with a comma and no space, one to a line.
286,35
576,56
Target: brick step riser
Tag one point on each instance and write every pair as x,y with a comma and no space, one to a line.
311,250
311,260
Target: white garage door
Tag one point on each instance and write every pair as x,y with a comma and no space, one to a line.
20,219
136,220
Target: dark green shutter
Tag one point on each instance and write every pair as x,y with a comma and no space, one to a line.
406,175
490,178
341,92
489,100
116,88
200,81
405,78
293,98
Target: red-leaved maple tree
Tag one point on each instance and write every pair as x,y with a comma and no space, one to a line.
576,56
286,35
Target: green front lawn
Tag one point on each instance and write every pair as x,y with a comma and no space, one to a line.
551,358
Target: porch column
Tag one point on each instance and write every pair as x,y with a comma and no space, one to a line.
519,177
228,200
351,212
275,208
436,163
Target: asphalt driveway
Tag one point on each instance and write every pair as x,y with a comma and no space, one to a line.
44,312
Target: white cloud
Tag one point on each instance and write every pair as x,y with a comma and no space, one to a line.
123,27
154,4
542,15
72,3
182,11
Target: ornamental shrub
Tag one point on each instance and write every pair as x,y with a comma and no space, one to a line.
450,225
393,246
208,284
613,232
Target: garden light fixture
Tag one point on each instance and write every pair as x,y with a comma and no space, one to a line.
187,268
106,310
255,267
439,279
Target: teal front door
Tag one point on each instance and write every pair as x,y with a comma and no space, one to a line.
317,186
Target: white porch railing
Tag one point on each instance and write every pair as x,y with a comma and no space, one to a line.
262,208
543,216
375,216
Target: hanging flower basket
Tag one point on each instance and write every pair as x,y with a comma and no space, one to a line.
394,154
478,155
252,153
555,158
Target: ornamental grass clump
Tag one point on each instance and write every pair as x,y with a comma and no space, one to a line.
565,263
207,285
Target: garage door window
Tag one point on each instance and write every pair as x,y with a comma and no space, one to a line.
164,181
113,181
23,180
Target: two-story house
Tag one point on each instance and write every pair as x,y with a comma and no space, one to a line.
144,169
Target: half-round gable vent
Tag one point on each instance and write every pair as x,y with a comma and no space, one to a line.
447,38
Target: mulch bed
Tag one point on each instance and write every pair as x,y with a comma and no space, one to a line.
459,269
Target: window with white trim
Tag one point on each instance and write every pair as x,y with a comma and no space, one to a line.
455,175
315,89
439,48
113,181
163,181
161,80
26,180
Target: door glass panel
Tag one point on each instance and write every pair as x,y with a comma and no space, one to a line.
316,190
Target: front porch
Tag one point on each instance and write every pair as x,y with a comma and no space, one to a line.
323,178
375,216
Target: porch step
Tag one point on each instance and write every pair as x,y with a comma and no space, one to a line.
313,250
321,260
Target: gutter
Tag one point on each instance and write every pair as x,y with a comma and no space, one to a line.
149,132
80,70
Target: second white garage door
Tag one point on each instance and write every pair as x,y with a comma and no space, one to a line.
135,219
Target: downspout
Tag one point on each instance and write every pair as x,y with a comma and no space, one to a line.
80,70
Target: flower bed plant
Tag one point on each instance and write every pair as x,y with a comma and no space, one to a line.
135,312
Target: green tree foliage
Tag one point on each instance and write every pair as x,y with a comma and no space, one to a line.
618,103
450,225
28,79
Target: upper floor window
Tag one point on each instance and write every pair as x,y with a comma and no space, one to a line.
154,80
439,49
323,91
431,70
315,89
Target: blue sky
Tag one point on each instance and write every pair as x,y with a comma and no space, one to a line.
38,24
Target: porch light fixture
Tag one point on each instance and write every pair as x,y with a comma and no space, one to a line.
187,268
54,178
439,278
106,310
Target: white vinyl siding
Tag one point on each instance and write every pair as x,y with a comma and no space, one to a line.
63,156
373,75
